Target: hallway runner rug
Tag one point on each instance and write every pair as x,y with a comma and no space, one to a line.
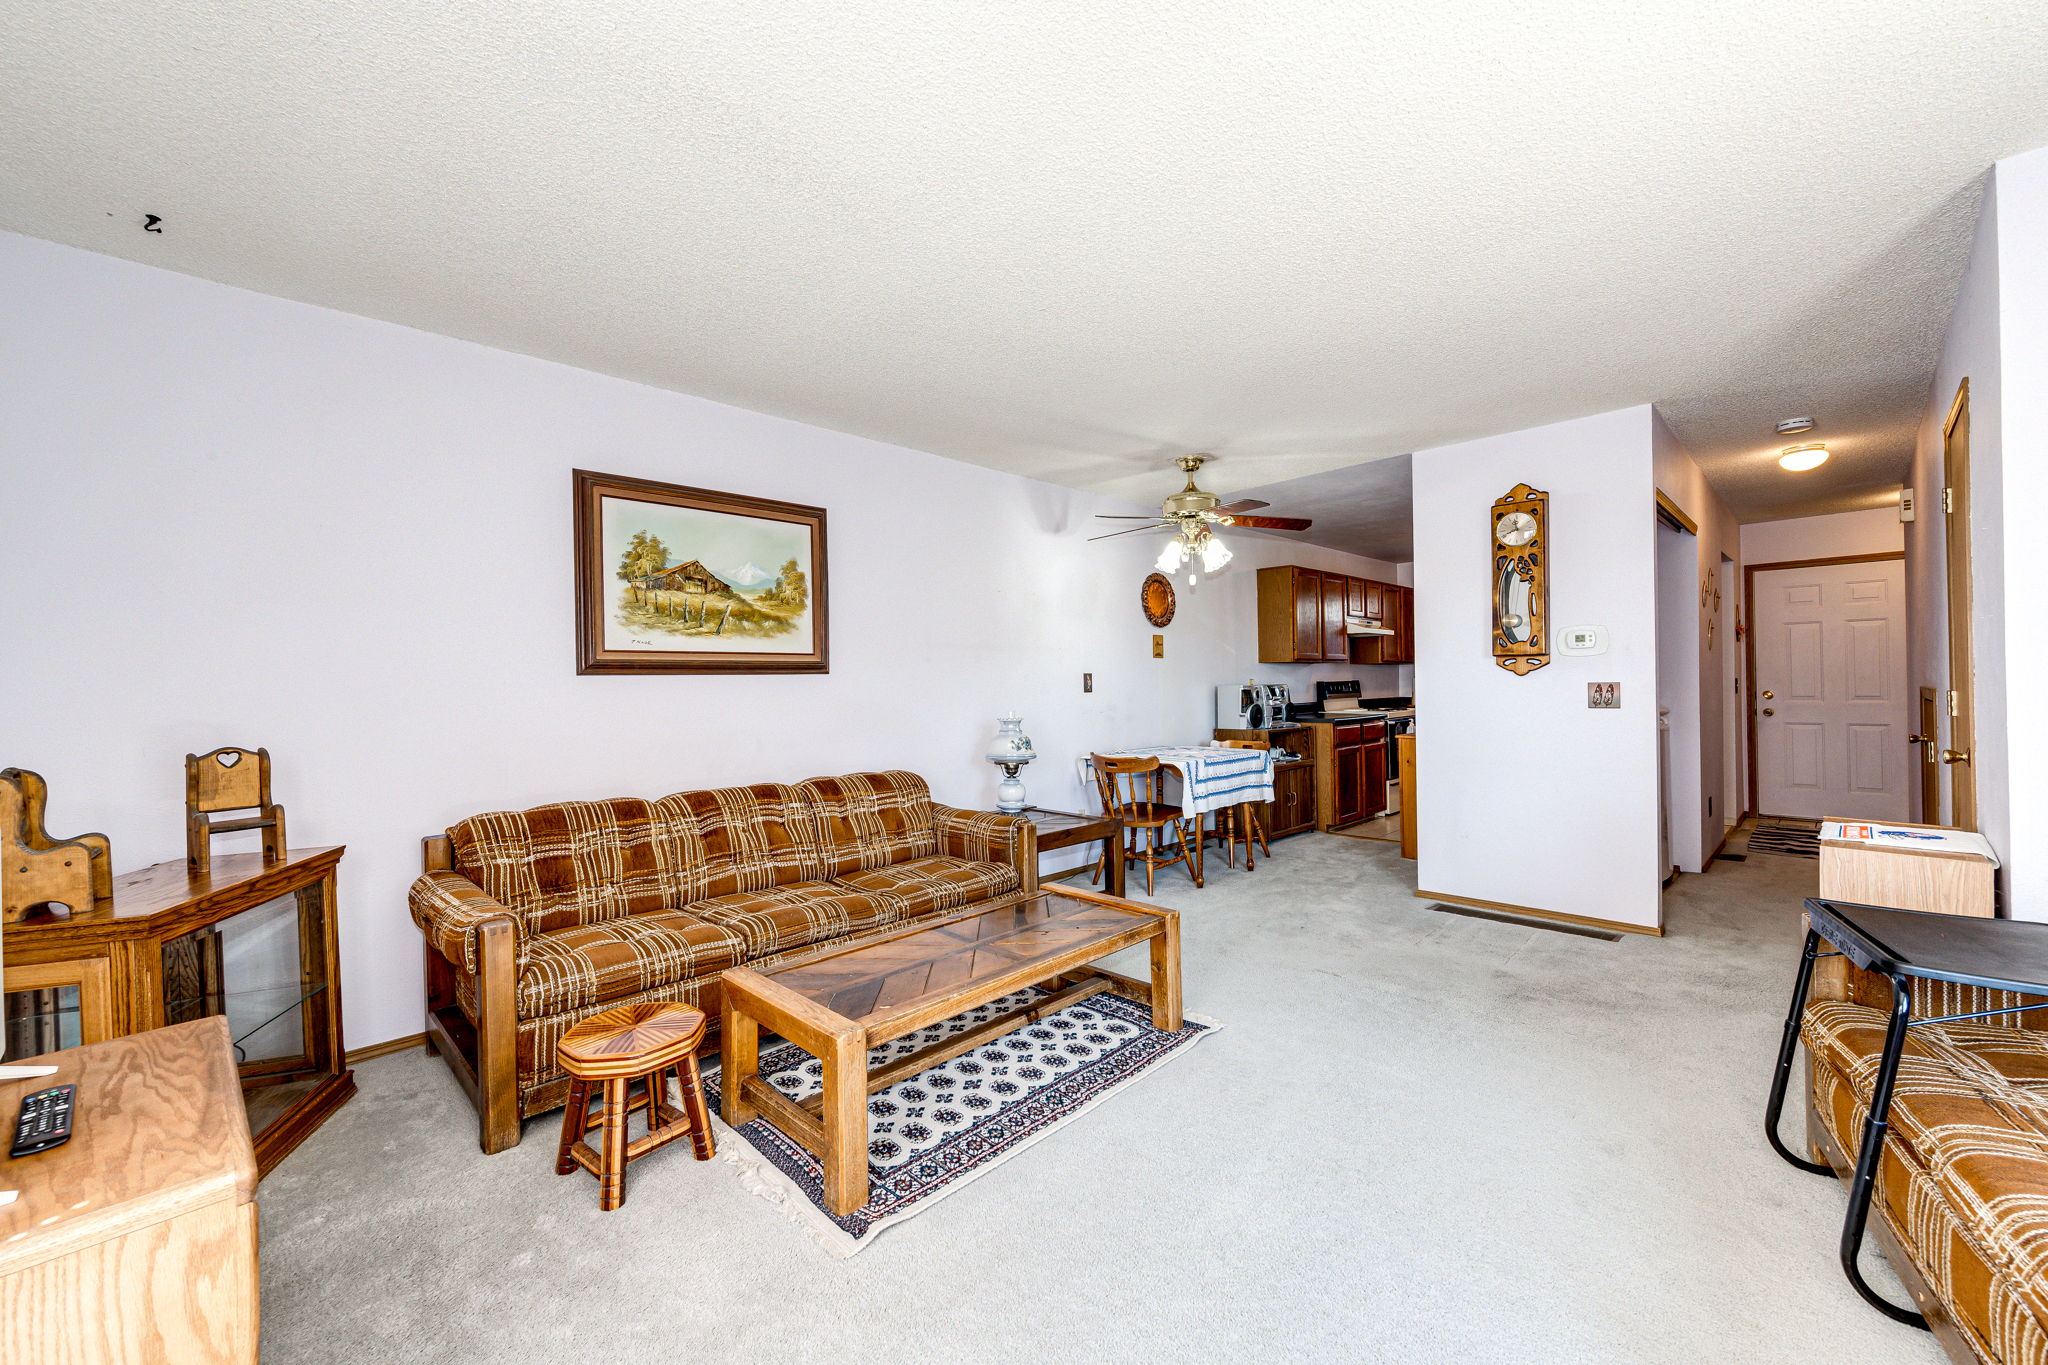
1791,838
935,1132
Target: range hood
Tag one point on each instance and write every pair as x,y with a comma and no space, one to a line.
1365,628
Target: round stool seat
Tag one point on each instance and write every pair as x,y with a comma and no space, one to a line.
631,1040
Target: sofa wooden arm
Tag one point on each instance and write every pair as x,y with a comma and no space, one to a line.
986,836
451,911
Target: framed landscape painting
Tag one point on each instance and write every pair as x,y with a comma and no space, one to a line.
683,580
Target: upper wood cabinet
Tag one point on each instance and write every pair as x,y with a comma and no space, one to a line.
1302,614
1335,643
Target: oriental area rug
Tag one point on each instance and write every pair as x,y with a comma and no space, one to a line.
937,1131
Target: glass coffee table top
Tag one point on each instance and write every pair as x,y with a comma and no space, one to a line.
909,970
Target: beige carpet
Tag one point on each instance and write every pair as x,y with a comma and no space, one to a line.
1424,1138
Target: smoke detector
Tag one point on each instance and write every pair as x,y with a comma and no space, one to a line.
1793,425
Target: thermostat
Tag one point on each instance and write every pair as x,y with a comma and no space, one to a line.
1582,640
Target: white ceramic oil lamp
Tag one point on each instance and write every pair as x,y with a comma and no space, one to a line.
1010,750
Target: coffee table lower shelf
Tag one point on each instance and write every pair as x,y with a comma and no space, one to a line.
898,984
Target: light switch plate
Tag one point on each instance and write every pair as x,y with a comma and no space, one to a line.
1087,682
1582,640
1604,696
1159,646
1906,509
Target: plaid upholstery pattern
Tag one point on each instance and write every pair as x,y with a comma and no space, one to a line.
1964,1182
575,862
592,964
868,820
738,839
923,886
448,908
792,916
979,836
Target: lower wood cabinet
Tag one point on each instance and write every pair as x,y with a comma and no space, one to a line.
1293,807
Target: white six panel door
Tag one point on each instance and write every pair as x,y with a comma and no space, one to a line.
1831,668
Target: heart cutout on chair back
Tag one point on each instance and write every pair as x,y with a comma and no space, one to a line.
228,759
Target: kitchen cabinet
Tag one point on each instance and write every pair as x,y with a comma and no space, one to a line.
1293,807
1336,644
1303,612
1351,771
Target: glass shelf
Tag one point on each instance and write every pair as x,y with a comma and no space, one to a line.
249,1012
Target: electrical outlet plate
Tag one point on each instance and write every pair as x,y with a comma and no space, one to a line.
1087,682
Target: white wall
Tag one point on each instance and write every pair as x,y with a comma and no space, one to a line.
2009,546
232,519
1875,531
1705,710
1527,796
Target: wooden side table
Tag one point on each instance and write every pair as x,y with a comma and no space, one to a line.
135,1240
1065,829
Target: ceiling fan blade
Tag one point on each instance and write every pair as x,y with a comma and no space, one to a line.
1272,523
1107,516
1241,505
1131,531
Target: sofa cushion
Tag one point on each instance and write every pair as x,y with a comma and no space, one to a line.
783,917
1971,1111
924,885
1982,1303
731,839
573,862
870,820
589,964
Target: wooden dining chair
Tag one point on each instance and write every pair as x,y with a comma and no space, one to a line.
1241,820
1133,793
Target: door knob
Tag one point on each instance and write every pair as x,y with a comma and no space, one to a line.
1955,755
1769,712
1918,739
1768,694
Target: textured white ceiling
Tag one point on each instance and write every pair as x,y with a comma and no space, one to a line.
1071,239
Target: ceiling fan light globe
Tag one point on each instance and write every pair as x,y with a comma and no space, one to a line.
1215,555
1171,556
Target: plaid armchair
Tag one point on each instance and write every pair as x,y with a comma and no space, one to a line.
534,920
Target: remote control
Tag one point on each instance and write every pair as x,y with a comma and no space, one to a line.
45,1121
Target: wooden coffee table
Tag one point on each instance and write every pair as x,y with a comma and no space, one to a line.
841,1003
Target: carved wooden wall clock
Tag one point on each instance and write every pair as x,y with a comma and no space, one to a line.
1521,580
1156,596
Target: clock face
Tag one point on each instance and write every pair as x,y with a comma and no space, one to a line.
1516,528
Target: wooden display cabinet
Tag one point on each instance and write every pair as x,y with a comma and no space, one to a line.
249,939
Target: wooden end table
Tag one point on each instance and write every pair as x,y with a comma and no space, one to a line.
1066,828
841,1003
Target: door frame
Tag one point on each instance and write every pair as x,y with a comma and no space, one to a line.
1962,665
1928,709
1749,573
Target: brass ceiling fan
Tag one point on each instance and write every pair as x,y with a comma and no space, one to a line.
1192,514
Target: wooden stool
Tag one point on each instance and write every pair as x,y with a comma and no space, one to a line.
632,1044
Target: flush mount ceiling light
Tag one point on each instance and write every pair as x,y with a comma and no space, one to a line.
1800,458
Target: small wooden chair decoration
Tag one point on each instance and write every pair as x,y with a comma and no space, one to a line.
76,874
229,780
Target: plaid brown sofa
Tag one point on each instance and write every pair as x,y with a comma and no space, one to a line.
537,919
1962,1192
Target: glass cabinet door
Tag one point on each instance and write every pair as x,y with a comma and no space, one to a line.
50,1006
266,970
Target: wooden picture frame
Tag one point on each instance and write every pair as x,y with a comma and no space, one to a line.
640,611
1521,580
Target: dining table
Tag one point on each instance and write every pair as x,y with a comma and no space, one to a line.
1212,777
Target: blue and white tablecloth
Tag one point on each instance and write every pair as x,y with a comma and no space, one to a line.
1211,776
